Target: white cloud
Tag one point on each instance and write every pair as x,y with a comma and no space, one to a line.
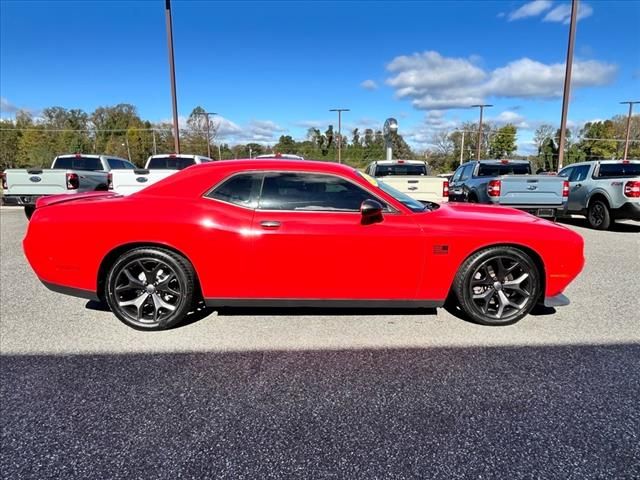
434,82
369,85
562,13
6,106
508,116
531,9
256,131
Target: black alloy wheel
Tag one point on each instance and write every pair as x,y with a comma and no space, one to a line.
150,289
497,286
598,215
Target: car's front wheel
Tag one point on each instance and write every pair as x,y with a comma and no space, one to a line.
497,286
150,288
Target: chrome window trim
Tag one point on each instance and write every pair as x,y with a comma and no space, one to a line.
392,210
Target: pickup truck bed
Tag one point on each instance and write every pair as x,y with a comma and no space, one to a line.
411,177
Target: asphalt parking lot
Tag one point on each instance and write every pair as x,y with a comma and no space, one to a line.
247,393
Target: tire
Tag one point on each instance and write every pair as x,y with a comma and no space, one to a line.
472,198
28,211
151,288
497,286
598,215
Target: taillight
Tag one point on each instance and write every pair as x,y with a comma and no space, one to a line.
5,186
73,182
445,188
631,189
110,181
565,189
493,188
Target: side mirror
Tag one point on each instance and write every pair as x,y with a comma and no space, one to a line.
371,211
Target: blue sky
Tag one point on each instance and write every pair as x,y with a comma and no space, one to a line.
273,68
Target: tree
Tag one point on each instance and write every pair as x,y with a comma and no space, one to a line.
598,140
503,142
286,144
197,137
442,142
9,140
542,134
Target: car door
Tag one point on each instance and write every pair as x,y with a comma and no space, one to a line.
578,189
310,243
455,189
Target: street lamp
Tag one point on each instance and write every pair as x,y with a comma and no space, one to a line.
481,107
339,110
206,116
626,142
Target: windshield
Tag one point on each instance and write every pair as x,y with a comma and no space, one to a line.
494,170
411,203
170,163
400,169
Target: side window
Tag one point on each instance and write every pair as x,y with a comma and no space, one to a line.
457,174
579,173
310,192
65,163
240,190
566,172
115,164
466,172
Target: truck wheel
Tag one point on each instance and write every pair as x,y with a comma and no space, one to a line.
150,288
472,198
598,215
28,210
497,286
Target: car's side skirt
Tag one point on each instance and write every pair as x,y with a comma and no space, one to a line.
74,292
320,303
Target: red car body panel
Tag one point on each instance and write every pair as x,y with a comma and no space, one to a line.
313,256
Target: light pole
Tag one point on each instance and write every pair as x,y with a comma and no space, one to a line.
339,110
172,72
626,142
206,116
567,83
481,107
462,147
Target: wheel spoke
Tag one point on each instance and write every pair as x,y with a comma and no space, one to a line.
516,285
159,303
137,302
485,298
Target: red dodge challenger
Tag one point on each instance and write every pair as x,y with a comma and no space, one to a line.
294,233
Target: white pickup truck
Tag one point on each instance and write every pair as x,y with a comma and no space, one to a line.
412,177
69,174
157,168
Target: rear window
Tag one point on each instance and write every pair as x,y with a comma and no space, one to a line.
78,163
170,163
402,169
494,170
610,170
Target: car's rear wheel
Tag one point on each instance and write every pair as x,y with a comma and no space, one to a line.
497,286
150,288
598,215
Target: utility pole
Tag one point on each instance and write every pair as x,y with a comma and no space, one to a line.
206,116
172,72
339,110
567,82
462,147
481,107
155,149
626,142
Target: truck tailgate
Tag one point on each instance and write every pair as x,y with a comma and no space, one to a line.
531,190
418,187
36,182
126,182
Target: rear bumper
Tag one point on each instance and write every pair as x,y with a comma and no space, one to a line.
20,200
628,211
559,300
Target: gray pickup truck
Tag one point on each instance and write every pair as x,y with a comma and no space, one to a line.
69,174
509,183
604,191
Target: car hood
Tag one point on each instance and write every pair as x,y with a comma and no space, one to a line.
488,213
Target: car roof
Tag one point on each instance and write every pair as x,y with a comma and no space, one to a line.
90,155
176,155
400,161
493,161
606,162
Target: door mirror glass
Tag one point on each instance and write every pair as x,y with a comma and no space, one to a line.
371,211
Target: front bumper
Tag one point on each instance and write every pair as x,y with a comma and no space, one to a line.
559,300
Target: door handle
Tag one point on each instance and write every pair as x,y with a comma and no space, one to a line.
270,224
